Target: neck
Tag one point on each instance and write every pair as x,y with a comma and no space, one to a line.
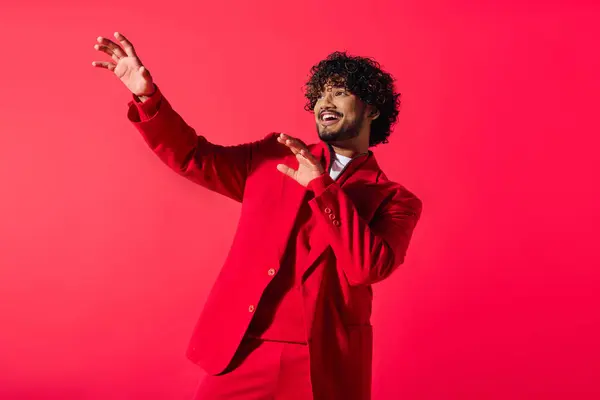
353,147
347,152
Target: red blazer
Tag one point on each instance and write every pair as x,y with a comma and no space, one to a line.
365,223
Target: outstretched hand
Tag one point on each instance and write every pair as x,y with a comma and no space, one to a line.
125,64
309,167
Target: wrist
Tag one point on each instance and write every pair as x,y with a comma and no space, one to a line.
319,185
145,96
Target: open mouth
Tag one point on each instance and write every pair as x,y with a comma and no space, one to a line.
329,118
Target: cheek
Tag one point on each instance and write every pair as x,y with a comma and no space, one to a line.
350,114
315,111
349,109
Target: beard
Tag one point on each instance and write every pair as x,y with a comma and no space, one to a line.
340,131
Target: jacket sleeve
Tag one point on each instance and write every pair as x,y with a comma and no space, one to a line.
367,253
222,169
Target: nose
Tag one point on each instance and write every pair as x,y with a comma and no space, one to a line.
326,102
327,98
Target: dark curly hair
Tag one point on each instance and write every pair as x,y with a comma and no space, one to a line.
362,77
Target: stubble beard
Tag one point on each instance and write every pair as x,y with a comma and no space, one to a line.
329,135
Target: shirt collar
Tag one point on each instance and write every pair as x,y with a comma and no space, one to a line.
325,152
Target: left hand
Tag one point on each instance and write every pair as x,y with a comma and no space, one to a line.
309,167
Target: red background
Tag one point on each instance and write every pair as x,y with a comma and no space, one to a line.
106,256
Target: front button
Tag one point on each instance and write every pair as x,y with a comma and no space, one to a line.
250,308
271,272
328,210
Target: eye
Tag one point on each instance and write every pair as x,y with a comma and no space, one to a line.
340,93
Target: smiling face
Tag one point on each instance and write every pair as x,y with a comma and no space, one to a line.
340,115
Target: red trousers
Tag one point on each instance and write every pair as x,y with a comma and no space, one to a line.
262,370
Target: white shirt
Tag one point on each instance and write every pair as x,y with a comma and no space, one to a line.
338,165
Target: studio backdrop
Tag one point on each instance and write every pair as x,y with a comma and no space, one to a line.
107,256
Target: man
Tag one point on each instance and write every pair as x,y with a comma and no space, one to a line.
289,314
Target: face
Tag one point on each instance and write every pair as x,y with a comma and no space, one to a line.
340,115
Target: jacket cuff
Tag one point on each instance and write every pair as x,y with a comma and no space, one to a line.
147,109
320,184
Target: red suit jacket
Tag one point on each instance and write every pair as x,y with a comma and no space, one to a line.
364,226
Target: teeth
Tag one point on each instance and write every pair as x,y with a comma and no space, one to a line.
328,117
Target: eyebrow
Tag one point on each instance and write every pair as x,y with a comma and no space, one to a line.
334,87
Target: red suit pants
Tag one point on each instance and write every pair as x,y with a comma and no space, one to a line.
262,370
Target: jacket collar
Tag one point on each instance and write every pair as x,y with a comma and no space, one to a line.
361,166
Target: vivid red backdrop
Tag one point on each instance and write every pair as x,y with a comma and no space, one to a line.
106,256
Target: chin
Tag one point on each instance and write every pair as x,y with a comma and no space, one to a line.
328,136
327,131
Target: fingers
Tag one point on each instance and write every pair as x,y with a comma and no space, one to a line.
111,47
284,139
286,170
293,139
145,73
306,155
294,144
126,44
105,64
107,50
303,155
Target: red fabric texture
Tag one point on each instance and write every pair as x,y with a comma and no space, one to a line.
279,315
262,370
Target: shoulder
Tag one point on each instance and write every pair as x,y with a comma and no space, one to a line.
265,152
265,148
270,145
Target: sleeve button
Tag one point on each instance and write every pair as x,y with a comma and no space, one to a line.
336,222
328,210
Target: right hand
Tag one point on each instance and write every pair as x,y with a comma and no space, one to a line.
126,66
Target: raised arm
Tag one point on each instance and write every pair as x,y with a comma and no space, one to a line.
223,169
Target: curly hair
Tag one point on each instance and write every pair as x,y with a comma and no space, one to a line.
362,77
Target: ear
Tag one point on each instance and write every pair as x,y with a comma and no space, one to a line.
373,112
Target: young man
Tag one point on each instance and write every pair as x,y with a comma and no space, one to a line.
289,314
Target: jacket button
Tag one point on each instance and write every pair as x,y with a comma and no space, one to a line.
271,272
328,210
336,222
250,308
